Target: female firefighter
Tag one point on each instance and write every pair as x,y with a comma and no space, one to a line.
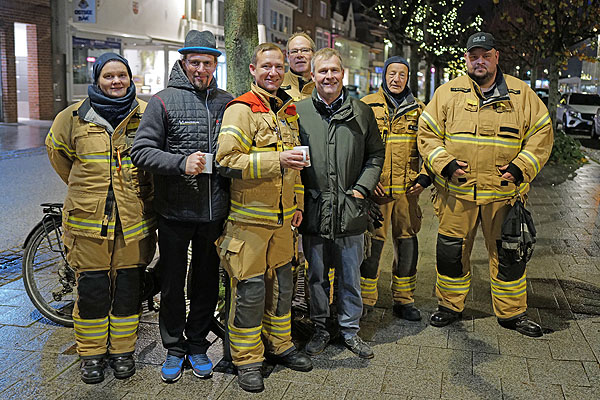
109,229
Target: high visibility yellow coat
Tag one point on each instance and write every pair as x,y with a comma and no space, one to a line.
252,136
89,158
399,134
511,126
291,85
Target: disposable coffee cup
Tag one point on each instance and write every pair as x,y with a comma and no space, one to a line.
305,154
208,167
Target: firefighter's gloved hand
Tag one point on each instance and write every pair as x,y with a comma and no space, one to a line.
374,213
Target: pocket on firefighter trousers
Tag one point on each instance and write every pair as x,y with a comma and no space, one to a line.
511,265
231,253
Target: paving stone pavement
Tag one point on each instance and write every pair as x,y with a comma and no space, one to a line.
472,359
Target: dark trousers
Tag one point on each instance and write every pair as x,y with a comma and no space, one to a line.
173,240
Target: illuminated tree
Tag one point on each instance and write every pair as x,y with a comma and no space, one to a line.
432,29
555,30
241,37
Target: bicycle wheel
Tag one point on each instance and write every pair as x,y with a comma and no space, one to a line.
48,279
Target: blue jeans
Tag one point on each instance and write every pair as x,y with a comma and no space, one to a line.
345,254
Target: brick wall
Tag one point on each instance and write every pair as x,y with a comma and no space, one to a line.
39,45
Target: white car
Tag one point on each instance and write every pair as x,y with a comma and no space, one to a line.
577,111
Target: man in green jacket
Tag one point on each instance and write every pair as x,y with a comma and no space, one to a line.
346,154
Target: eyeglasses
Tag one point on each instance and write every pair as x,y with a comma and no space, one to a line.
196,64
302,51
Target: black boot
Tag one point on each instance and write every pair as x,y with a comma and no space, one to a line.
523,325
443,317
293,360
123,366
250,379
92,370
407,311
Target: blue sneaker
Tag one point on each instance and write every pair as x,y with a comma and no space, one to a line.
172,368
201,365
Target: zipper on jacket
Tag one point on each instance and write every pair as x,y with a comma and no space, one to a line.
279,141
110,196
475,192
210,216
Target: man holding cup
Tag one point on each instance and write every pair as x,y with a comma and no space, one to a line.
176,141
260,130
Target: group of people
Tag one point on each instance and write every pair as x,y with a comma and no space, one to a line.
228,177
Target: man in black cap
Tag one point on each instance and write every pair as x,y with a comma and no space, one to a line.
397,113
176,141
484,136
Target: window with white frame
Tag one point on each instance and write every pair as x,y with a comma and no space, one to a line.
301,6
309,7
280,22
323,10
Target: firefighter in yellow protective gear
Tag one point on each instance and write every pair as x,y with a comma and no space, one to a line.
297,82
255,149
485,136
107,218
397,113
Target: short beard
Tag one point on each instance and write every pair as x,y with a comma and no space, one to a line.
200,86
480,80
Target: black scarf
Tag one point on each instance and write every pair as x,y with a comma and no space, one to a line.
113,110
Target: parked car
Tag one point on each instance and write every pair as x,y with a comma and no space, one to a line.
543,94
577,111
596,126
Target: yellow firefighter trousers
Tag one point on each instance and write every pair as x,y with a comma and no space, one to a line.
404,216
459,220
258,260
109,287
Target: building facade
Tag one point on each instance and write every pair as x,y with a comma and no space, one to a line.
26,89
314,18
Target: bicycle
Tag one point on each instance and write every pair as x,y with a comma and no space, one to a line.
51,284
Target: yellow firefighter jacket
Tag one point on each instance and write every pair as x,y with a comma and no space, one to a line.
291,85
252,136
91,158
399,134
511,126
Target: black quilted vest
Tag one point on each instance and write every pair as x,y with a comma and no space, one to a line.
194,118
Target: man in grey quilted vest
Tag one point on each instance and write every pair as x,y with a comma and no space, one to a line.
176,141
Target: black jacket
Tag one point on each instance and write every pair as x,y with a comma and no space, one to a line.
346,153
179,121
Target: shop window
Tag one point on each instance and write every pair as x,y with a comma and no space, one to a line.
286,28
323,10
85,52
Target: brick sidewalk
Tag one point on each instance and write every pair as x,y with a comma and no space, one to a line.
473,359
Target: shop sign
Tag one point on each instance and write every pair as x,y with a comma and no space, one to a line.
97,44
84,11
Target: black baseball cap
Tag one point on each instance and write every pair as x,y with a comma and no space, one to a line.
481,39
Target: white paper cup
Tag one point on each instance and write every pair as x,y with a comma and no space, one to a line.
208,167
305,154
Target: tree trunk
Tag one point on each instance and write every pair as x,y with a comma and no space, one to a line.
438,75
413,83
241,37
554,96
534,75
427,82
